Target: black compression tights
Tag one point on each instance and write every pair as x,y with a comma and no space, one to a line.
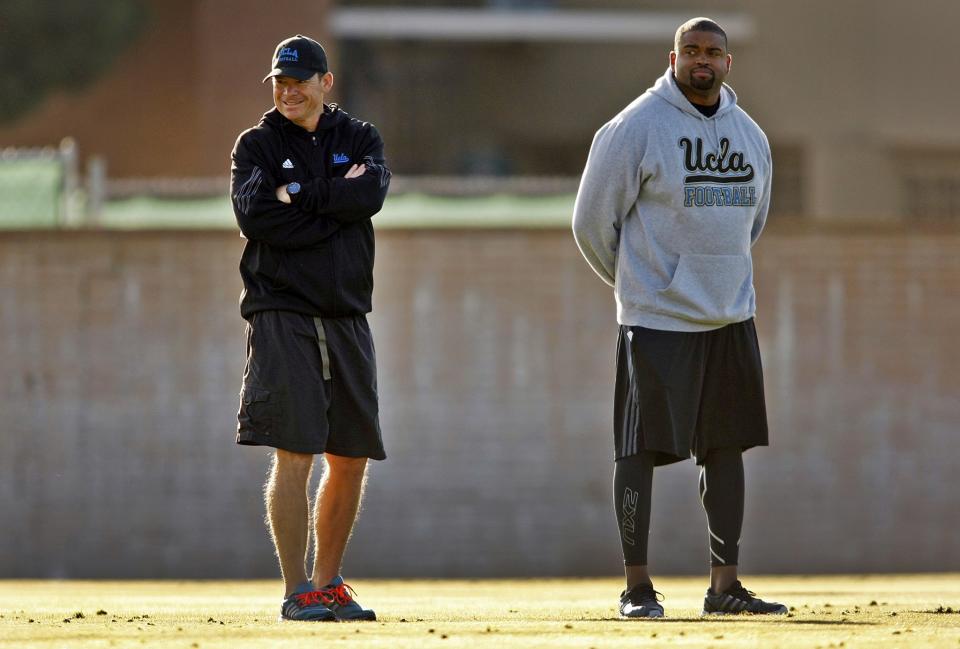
721,492
632,484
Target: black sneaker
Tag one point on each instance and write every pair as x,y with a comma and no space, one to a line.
737,599
641,601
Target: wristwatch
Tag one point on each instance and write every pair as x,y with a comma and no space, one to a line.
292,190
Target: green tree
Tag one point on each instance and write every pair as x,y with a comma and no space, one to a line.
49,45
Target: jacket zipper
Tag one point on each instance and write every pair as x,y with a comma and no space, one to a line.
335,251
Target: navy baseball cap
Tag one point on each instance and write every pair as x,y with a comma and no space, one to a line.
299,57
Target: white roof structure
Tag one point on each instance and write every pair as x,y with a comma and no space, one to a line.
449,24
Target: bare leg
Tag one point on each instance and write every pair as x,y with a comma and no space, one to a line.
287,513
335,510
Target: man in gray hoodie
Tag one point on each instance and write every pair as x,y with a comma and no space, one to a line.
674,194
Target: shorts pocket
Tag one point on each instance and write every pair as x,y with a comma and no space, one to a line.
259,412
709,288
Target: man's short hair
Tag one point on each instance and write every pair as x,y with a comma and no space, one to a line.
698,25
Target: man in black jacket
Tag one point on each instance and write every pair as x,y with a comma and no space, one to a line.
305,183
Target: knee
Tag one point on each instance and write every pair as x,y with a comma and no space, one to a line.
346,467
723,458
294,464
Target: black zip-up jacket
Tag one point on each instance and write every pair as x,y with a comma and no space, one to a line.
315,255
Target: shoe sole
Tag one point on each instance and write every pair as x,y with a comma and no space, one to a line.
777,612
652,615
280,618
371,617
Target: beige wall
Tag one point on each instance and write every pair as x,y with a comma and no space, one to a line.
123,352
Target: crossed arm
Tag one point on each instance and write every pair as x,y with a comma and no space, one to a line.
265,212
354,172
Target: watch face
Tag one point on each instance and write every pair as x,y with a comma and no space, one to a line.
293,188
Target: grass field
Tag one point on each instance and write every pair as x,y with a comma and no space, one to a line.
872,611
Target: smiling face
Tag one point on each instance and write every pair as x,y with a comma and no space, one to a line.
302,101
700,65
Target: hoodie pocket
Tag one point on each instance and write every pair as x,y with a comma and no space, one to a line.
709,288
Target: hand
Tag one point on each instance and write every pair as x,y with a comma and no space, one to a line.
355,171
282,195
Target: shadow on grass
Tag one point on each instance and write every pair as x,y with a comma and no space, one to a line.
728,620
832,622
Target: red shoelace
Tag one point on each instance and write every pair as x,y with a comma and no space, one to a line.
311,598
339,594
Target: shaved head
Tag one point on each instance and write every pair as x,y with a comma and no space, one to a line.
700,24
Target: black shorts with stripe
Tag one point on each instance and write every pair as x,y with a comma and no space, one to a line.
310,385
682,394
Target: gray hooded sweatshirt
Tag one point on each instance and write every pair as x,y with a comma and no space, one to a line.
669,206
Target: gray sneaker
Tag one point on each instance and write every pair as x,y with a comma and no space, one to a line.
641,601
338,597
737,599
305,604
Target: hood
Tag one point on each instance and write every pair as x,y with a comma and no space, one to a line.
666,88
332,116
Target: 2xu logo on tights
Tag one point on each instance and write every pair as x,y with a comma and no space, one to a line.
630,498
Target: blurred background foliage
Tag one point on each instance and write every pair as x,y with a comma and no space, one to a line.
50,45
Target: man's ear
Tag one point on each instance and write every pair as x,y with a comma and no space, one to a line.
326,82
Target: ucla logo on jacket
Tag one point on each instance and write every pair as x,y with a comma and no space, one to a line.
716,178
340,158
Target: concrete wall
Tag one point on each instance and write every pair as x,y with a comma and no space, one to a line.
122,355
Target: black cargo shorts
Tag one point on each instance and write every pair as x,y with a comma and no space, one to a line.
310,385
